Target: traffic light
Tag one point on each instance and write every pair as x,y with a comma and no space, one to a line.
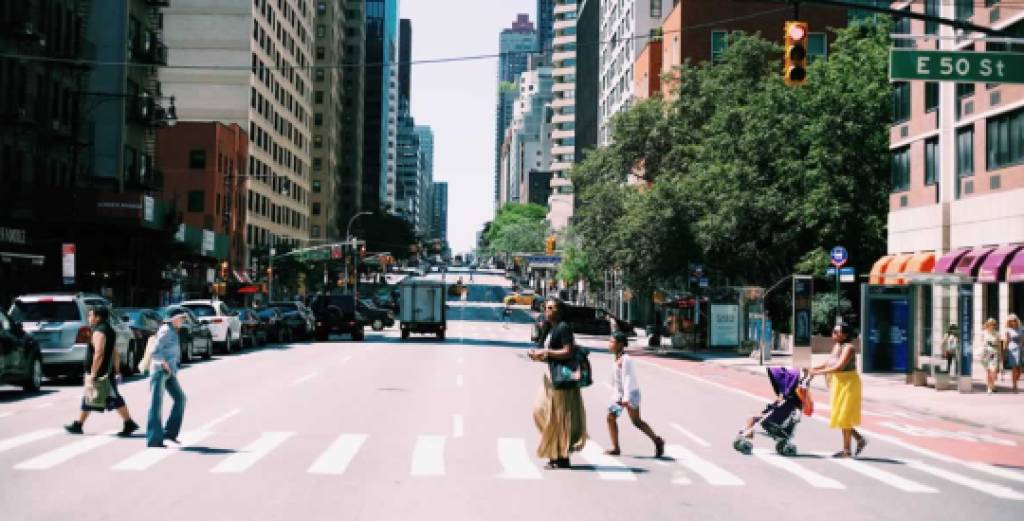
549,245
794,69
224,270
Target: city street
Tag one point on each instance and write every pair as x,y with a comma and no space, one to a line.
385,429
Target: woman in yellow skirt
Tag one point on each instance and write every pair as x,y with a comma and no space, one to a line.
841,369
558,413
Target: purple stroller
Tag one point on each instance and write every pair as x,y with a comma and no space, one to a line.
780,418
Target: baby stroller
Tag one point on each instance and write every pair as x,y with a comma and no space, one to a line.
779,419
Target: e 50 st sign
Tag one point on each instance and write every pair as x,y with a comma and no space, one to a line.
959,66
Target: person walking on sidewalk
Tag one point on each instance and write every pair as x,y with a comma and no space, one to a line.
626,395
164,376
844,381
558,413
1012,348
990,354
102,367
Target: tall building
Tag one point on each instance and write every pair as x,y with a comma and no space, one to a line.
588,84
270,47
353,121
563,120
440,210
407,202
529,145
425,135
326,164
381,105
625,30
515,46
545,27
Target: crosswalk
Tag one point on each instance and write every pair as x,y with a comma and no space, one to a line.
688,463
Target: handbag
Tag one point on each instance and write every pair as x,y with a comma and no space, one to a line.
97,395
574,373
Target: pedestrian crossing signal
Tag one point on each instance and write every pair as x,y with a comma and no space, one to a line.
794,69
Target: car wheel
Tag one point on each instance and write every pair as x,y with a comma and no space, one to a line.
357,335
227,342
208,353
405,334
35,376
378,324
128,365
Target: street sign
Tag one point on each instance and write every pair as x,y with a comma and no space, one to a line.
838,256
704,282
830,272
959,66
847,275
68,263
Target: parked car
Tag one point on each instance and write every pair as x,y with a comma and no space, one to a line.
276,330
193,333
143,323
253,330
222,321
377,318
298,317
58,322
337,314
21,361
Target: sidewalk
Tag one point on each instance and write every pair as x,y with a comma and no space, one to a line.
1002,411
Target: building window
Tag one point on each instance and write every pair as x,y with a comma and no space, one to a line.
1005,139
900,170
317,164
964,9
316,186
931,161
321,53
817,46
964,90
901,101
316,208
131,159
314,231
931,8
321,31
965,151
318,142
196,159
318,119
656,9
931,96
196,201
718,44
902,27
318,75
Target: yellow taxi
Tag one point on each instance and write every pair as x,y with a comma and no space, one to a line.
522,298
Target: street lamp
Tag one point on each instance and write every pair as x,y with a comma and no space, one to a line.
355,256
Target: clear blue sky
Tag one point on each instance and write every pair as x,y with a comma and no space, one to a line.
458,100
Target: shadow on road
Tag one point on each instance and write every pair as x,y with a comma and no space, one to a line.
208,451
617,470
17,395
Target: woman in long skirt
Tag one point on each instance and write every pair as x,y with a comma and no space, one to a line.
844,381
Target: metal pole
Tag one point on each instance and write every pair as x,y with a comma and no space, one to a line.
270,279
837,295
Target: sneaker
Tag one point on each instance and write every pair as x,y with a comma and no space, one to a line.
74,427
129,427
157,446
861,443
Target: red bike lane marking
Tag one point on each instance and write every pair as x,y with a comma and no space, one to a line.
964,442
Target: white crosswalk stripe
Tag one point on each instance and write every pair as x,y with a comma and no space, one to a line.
67,452
984,487
516,462
607,467
812,478
151,456
884,476
710,472
251,454
428,456
17,441
336,458
998,472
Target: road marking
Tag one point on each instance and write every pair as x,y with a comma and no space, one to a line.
711,473
213,423
304,379
457,426
812,478
515,460
607,467
679,478
17,441
62,454
458,380
697,439
462,359
986,487
151,456
428,456
6,414
336,458
996,471
884,476
252,453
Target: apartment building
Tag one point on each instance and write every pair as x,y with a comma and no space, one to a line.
350,192
380,105
563,120
439,209
529,144
273,42
326,161
516,44
425,135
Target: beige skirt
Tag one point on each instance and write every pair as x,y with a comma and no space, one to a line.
561,420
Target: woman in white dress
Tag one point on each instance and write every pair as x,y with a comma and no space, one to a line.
1012,348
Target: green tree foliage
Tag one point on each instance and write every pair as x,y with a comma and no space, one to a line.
517,228
742,173
576,264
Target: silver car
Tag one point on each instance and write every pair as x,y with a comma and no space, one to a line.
58,323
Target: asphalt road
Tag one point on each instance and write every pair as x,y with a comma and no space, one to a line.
384,429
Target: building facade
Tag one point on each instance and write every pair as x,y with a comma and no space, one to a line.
350,196
439,208
545,27
588,85
515,46
425,135
380,105
326,162
563,119
529,144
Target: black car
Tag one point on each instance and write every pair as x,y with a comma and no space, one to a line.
298,317
21,361
377,318
274,325
254,331
587,320
193,333
336,314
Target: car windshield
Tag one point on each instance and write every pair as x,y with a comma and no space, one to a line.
44,311
202,310
128,315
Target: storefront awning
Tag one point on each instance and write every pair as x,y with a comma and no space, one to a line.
993,269
919,263
947,263
972,261
896,266
878,269
1015,268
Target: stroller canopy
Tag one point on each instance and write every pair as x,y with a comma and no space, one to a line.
783,380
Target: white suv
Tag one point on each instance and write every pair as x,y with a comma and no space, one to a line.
224,324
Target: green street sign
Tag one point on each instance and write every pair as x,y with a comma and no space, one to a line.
958,66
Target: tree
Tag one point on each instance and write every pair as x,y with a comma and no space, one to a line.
517,228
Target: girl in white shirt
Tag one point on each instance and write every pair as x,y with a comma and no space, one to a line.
626,396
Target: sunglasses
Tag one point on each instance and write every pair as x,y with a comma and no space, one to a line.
550,307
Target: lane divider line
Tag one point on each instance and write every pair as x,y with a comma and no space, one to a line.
213,423
304,379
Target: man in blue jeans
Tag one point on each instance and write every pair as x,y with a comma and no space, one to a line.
164,370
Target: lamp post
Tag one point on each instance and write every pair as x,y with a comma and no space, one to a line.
355,256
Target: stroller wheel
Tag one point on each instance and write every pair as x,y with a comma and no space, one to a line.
743,445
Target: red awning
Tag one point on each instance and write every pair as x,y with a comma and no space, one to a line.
1015,268
992,270
947,262
971,262
248,290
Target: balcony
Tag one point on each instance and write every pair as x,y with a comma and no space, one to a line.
153,51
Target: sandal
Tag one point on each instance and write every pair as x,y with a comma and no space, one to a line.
842,454
612,452
861,443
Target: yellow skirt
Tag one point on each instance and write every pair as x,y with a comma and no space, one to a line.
561,420
845,400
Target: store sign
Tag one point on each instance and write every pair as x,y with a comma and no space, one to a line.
13,235
68,263
725,324
208,241
147,209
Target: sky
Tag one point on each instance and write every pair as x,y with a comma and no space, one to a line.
458,100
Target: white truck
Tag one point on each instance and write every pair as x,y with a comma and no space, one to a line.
422,307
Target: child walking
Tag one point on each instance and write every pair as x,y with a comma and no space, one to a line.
627,396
